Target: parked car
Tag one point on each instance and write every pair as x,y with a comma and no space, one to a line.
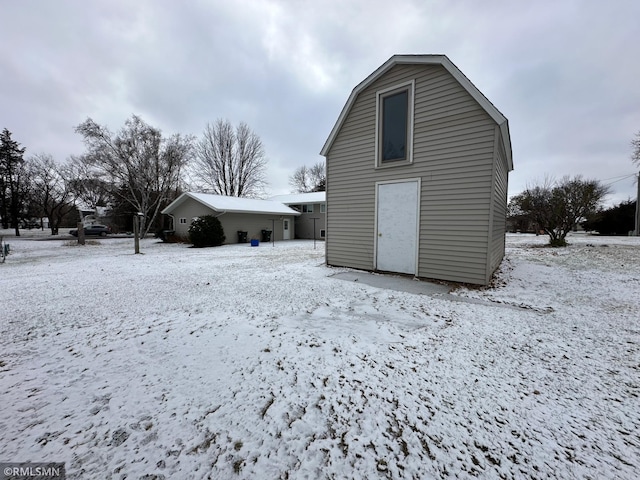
101,230
30,224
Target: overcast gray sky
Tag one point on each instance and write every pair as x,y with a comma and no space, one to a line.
566,73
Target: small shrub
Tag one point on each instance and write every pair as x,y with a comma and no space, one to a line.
558,242
177,239
206,232
174,238
170,236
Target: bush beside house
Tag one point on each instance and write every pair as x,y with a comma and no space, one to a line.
206,231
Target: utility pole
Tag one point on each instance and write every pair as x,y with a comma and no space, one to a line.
314,231
637,230
80,230
136,232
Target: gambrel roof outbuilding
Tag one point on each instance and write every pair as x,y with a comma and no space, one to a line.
442,60
417,168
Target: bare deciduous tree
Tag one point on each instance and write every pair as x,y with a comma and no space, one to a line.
635,144
51,189
557,207
300,180
140,166
230,161
635,156
305,180
87,188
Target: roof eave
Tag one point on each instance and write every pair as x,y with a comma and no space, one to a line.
284,214
182,198
506,138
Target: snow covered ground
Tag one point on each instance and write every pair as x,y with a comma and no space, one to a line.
240,362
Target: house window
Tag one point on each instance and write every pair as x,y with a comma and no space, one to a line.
323,208
322,233
183,221
394,125
307,208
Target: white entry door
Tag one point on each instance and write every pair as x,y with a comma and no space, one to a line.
397,226
286,232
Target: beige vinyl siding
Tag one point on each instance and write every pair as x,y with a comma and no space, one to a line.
499,220
252,223
350,211
454,144
189,210
350,229
304,223
453,152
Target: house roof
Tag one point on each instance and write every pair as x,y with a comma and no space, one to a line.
223,203
300,198
443,60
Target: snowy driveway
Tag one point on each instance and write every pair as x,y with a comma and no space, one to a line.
240,362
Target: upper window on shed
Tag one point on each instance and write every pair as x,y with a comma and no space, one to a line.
308,208
394,125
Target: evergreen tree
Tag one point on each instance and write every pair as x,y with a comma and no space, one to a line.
13,181
617,220
206,231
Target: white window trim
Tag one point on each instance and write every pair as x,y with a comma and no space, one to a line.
323,208
411,87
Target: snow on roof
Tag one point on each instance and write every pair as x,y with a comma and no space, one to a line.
299,198
223,203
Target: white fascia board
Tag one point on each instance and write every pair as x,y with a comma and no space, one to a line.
173,205
506,138
227,205
298,198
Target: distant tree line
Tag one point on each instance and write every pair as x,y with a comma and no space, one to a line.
617,220
134,170
557,208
